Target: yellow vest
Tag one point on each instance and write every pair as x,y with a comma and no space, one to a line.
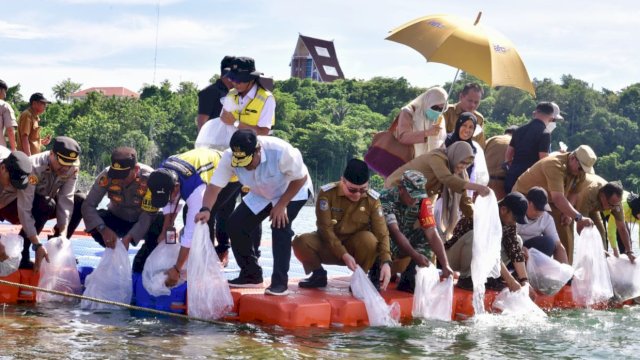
251,113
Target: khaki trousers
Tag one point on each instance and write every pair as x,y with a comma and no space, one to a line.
312,251
565,232
460,254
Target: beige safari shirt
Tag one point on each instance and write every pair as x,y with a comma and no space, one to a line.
29,125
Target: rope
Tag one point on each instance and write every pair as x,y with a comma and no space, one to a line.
109,302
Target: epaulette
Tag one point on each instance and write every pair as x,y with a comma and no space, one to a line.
328,186
373,194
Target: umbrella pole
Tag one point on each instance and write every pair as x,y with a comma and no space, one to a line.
455,78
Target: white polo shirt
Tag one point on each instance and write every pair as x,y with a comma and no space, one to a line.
280,164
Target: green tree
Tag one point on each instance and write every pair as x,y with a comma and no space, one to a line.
64,88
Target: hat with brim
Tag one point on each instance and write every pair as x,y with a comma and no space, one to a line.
538,197
19,167
161,183
243,69
414,182
517,204
586,157
123,160
243,146
67,151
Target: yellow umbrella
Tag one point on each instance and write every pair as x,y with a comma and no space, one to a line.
477,50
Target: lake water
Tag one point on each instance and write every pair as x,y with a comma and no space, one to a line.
64,332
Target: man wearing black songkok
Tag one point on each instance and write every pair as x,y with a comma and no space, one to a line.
351,229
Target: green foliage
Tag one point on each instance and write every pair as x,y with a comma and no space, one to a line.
64,88
333,122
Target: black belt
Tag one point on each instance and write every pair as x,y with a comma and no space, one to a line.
502,178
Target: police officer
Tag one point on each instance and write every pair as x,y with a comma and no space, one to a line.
561,175
15,170
129,214
351,229
52,191
184,176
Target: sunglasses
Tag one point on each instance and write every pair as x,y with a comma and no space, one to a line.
436,108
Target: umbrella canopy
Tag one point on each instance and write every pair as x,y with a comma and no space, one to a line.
477,50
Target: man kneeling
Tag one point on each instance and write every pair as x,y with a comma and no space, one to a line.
351,229
409,216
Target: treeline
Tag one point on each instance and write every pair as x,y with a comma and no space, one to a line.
332,122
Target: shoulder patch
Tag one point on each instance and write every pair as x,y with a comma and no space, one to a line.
33,180
373,194
103,181
329,186
323,204
146,203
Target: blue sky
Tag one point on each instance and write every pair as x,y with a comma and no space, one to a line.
112,42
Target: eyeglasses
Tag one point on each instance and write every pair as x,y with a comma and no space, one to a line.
357,190
612,205
436,108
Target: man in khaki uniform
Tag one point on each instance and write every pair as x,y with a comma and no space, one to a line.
469,101
561,176
29,140
52,192
129,215
7,119
597,199
494,151
351,229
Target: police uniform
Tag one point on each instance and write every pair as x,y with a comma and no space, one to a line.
553,175
451,115
344,226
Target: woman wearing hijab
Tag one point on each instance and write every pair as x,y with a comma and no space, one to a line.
466,126
445,171
420,123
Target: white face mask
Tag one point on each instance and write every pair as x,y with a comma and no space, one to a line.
551,126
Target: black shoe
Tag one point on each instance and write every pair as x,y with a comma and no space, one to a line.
465,283
277,290
494,284
317,279
374,275
246,281
408,279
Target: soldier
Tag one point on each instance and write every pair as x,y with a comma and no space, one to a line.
129,214
600,199
409,216
280,186
351,230
560,175
53,192
184,176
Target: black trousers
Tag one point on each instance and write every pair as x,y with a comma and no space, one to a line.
243,223
122,227
43,209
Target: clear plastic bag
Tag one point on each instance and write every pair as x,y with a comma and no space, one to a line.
111,280
591,280
432,298
545,274
517,303
60,273
487,240
209,294
625,277
13,249
154,273
215,134
380,314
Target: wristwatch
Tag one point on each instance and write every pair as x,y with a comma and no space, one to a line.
204,208
35,247
578,217
101,227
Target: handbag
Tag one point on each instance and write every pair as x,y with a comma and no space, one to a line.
386,153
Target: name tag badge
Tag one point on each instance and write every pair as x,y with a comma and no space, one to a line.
171,237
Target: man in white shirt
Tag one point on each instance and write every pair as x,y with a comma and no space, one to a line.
280,186
540,231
